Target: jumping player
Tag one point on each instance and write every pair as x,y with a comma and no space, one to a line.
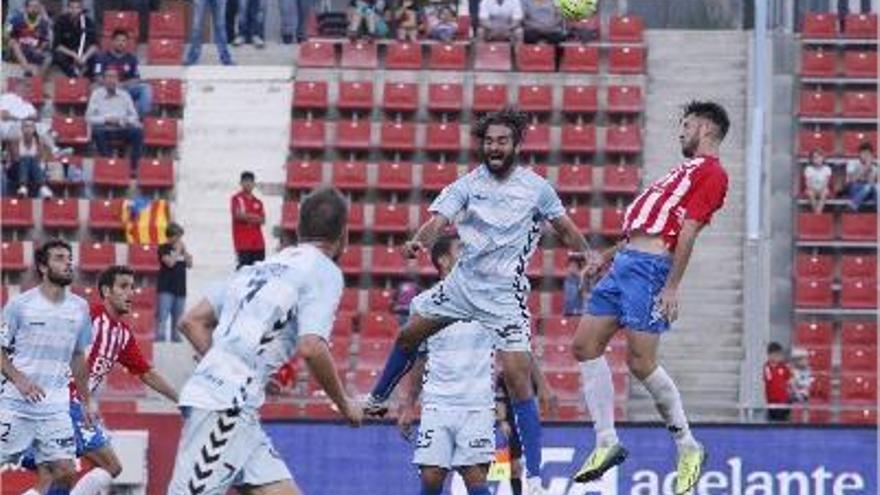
43,340
245,332
499,209
640,292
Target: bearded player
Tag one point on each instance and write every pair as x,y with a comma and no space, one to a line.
639,294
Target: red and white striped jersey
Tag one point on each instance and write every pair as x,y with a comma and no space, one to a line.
694,190
112,342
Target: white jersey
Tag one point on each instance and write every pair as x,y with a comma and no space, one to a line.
39,337
459,373
261,312
499,223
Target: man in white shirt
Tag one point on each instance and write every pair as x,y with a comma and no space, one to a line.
501,20
111,116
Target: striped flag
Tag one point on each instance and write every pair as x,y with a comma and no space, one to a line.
145,220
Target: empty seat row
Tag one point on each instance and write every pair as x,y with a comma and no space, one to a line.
61,214
854,358
76,91
823,25
824,265
821,227
92,256
860,104
855,63
821,332
818,293
169,24
74,131
826,139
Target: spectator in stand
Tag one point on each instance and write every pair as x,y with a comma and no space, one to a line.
294,20
861,177
406,17
126,65
542,22
27,175
111,117
817,180
368,14
248,217
777,376
251,23
403,295
218,13
501,20
30,34
14,108
174,260
75,41
801,376
440,21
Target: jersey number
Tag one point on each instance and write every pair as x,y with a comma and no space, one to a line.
5,428
425,438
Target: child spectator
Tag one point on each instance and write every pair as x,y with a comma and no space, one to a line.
817,178
861,177
777,376
802,376
440,21
407,18
29,36
75,41
368,14
27,175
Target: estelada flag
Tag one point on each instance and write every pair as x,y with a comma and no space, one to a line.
145,220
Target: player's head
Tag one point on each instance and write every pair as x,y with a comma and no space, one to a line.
173,232
33,8
54,261
120,40
116,286
444,253
247,181
817,156
774,352
74,7
323,218
499,136
702,123
866,152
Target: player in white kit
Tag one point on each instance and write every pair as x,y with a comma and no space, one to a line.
245,332
455,378
43,339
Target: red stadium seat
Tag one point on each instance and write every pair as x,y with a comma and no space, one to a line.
353,134
580,99
819,357
143,299
380,299
310,95
350,301
560,263
96,256
817,103
858,358
290,215
860,64
860,26
304,174
391,217
398,137
447,56
813,293
445,97
580,58
858,227
537,139
105,214
574,179
858,293
143,258
156,173
308,134
111,172
624,99
317,54
379,325
626,60
858,265
858,332
578,139
436,176
167,92
72,91
62,213
858,387
557,357
87,292
343,324
866,415
395,176
443,137
818,63
350,176
566,385
387,260
360,55
814,333
560,328
809,140
400,97
492,57
623,139
16,213
357,222
12,257
352,259
852,140
536,58
625,29
612,221
489,97
814,265
70,131
819,25
126,20
621,179
580,215
859,104
166,51
820,389
167,24
815,226
403,56
161,133
537,98
539,169
355,95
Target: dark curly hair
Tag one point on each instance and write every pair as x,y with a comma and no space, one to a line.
511,117
710,111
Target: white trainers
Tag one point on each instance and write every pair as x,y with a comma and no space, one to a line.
534,486
258,42
45,192
238,41
22,191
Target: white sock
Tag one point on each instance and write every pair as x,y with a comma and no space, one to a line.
599,395
32,491
668,402
95,482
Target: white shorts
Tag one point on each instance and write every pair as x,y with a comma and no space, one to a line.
49,438
505,312
453,439
220,449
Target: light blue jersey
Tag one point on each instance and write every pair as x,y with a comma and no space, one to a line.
459,372
40,337
499,224
261,312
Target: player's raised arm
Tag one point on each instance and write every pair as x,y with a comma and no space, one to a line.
425,236
156,382
198,324
316,354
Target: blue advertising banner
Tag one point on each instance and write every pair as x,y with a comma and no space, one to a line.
333,459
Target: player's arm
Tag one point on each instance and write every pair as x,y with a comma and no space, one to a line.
316,353
80,371
156,382
426,235
197,325
408,408
569,234
30,390
690,229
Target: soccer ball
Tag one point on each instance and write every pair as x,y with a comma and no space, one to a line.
576,10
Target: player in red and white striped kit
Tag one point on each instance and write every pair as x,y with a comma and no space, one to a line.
640,291
113,341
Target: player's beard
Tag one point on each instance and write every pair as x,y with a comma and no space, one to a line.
500,171
60,279
689,147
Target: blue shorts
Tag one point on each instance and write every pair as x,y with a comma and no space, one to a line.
87,439
629,291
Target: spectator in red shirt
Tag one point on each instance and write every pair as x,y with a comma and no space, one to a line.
248,216
777,376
